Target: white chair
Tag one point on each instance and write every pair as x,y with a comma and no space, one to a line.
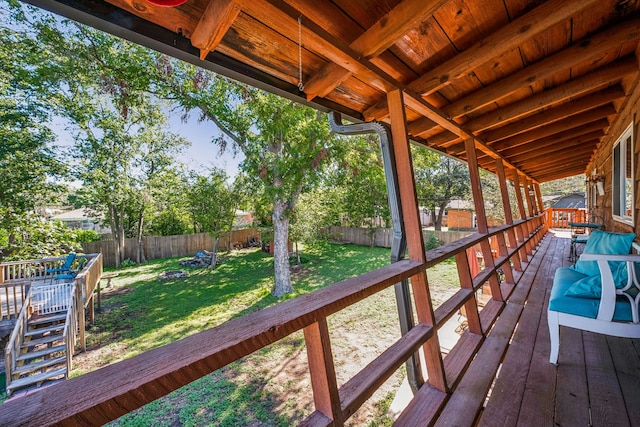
615,312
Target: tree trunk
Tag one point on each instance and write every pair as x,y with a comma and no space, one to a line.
282,284
139,254
438,222
121,234
115,228
214,255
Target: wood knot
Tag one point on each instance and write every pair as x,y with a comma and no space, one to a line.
139,6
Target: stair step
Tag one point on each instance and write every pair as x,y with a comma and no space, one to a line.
44,340
34,379
41,353
53,328
31,367
47,318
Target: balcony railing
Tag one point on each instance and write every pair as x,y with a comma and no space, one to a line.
119,388
561,217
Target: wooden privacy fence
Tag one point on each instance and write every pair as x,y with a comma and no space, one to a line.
382,237
121,387
159,247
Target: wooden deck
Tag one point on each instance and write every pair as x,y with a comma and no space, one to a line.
596,382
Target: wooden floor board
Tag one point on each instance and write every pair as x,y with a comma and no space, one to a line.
605,396
572,399
596,382
504,405
625,359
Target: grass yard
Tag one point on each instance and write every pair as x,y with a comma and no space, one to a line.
270,387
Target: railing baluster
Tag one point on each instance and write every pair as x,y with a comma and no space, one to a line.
322,371
466,282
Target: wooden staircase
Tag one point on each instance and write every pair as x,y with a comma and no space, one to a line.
43,353
41,345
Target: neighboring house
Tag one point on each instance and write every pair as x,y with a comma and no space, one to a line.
81,219
243,219
570,201
460,215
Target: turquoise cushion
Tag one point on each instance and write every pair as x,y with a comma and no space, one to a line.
564,278
603,242
591,286
587,287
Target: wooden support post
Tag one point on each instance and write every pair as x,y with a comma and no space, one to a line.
92,311
322,371
481,216
524,252
466,282
539,197
81,317
530,205
508,214
413,228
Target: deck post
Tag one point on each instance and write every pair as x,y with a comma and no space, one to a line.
536,187
322,371
481,216
508,214
466,282
415,244
527,250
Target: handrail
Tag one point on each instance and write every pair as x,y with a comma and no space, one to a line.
31,269
12,350
116,389
561,217
71,321
16,290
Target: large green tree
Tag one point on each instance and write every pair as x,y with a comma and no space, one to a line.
284,144
29,161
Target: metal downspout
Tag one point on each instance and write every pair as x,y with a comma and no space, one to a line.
399,242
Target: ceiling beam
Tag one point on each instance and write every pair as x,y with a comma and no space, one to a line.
560,135
507,38
587,48
375,40
595,114
572,161
529,152
600,78
558,151
545,118
214,24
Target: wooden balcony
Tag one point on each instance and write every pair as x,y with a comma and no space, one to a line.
594,384
499,376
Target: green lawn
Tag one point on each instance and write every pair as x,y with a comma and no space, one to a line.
271,386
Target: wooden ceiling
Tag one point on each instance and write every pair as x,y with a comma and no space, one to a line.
537,83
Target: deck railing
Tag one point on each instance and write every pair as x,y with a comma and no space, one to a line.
71,326
561,217
14,346
47,299
119,388
12,296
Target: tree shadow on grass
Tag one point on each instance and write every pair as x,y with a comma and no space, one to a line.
240,394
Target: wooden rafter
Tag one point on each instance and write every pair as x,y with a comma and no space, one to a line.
376,39
589,48
507,38
214,24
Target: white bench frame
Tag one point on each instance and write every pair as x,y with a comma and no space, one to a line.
603,323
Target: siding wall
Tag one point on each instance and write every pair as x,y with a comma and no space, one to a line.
602,163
